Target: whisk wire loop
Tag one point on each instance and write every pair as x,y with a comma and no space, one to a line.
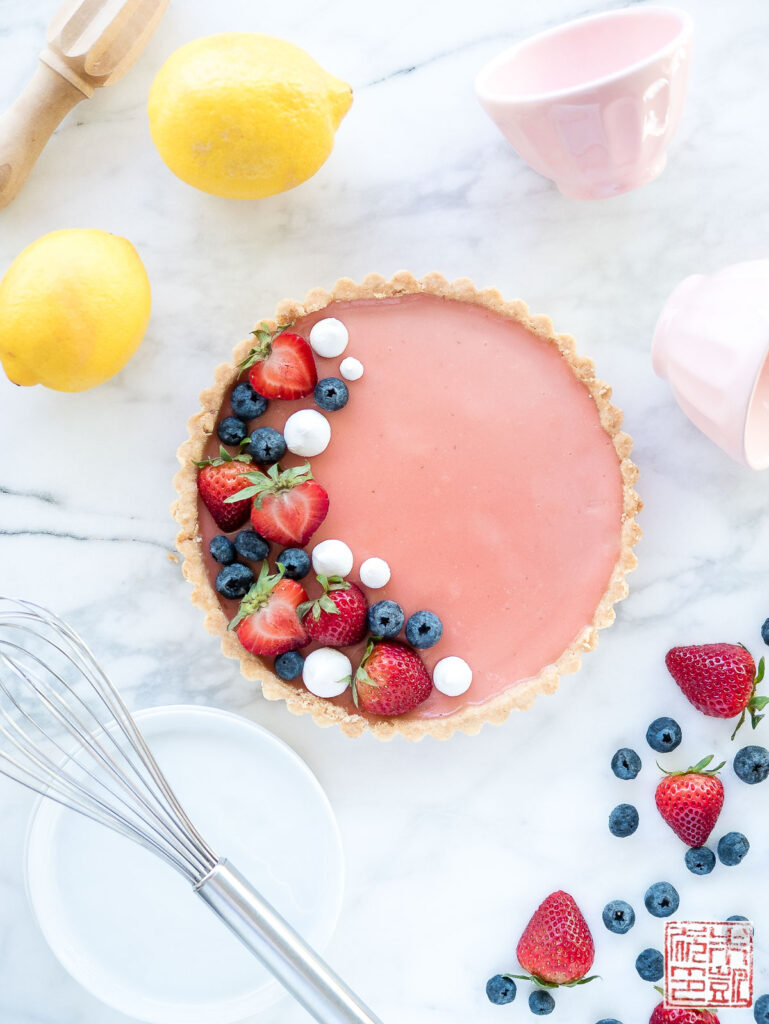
72,736
51,776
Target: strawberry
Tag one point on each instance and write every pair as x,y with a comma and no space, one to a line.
338,617
219,481
280,365
664,1014
556,947
390,680
691,801
720,680
267,622
289,505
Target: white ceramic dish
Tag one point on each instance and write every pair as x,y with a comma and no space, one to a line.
132,931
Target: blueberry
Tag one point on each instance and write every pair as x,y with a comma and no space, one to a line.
289,665
247,403
663,735
732,848
501,990
541,1002
751,764
765,631
623,821
231,430
626,764
222,550
385,619
266,445
608,1020
424,629
700,860
661,899
761,1010
296,562
618,916
331,394
251,545
234,580
736,917
650,964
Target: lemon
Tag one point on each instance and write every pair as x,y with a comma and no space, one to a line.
74,306
243,115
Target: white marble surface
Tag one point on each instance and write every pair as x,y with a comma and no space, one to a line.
449,846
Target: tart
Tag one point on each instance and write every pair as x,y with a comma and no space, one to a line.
480,457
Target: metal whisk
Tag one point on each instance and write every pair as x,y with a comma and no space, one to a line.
66,734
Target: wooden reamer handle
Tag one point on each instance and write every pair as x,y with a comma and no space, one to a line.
29,123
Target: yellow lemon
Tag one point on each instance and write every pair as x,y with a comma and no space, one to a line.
74,307
243,115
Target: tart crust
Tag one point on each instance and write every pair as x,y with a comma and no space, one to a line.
467,718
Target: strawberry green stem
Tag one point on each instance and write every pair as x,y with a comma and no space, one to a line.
259,594
324,602
361,675
543,983
263,348
756,704
274,481
222,458
701,768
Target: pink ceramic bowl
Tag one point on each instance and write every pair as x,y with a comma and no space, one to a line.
593,104
712,344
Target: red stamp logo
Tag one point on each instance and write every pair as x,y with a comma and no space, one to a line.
709,963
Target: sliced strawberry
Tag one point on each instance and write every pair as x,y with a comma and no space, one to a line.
289,504
219,481
291,517
338,617
280,365
391,679
267,622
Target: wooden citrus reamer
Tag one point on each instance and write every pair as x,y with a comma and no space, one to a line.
90,43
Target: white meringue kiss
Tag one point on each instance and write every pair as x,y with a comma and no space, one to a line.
307,433
332,558
329,337
375,573
326,672
351,368
452,676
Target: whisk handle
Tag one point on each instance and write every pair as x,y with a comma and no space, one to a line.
285,954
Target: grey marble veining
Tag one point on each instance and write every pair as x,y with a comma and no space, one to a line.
448,845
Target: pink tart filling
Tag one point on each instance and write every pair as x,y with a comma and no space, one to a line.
471,459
